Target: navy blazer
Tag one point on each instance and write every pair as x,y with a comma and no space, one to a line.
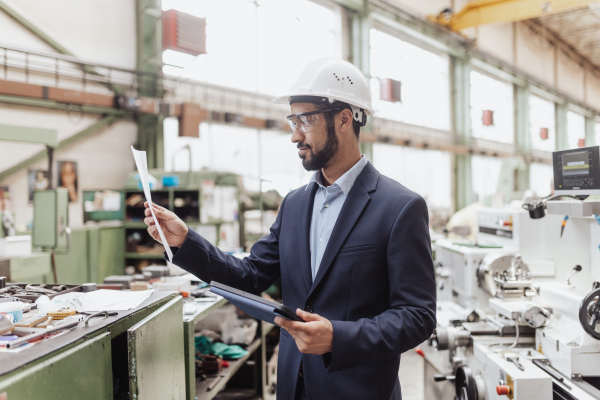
376,285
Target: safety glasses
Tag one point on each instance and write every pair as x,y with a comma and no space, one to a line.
305,121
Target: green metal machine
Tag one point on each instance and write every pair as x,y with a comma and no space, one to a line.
51,220
51,231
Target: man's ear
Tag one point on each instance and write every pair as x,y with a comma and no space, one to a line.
346,119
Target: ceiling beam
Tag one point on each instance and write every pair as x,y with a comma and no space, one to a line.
34,29
580,32
482,12
536,26
567,14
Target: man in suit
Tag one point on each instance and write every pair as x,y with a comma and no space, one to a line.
352,250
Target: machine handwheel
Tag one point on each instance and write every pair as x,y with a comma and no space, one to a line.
589,313
465,384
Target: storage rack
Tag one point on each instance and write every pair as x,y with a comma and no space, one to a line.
197,388
189,190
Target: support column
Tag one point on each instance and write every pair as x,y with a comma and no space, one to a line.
360,36
521,118
149,60
562,139
522,136
461,123
590,131
360,45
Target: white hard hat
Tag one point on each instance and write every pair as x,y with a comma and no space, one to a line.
335,80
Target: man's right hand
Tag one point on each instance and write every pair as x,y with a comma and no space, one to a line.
174,229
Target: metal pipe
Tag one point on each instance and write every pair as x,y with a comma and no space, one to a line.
50,162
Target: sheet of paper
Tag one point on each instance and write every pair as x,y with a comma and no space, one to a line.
142,167
114,300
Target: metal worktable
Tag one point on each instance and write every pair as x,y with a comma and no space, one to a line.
108,359
143,353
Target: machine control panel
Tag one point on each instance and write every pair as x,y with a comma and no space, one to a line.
577,171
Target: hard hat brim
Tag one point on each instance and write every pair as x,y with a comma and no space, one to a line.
285,99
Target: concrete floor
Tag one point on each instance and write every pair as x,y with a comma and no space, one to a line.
411,380
411,376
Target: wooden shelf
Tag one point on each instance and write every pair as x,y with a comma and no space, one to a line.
202,392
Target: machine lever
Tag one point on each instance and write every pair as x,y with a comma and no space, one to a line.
575,270
441,378
547,368
515,360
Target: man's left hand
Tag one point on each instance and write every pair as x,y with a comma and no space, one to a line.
314,336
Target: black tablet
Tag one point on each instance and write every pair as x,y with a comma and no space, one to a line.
253,305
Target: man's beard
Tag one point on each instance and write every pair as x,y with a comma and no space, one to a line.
320,159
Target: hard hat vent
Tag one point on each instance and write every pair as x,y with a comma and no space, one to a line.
347,77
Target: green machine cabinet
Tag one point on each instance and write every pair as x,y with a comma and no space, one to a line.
96,252
72,267
84,371
156,358
35,267
51,219
106,252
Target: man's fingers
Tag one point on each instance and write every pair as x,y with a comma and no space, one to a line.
162,212
306,316
284,323
159,208
154,233
149,221
290,326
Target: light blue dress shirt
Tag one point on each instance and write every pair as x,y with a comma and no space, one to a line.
328,203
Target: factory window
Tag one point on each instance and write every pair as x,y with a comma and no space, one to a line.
424,79
575,129
281,169
491,108
431,179
251,44
540,178
485,177
219,148
291,34
253,154
597,134
542,124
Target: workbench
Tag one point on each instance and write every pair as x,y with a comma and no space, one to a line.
136,354
143,353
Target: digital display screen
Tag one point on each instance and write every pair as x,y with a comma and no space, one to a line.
575,163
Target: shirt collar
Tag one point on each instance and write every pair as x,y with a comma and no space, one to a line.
346,181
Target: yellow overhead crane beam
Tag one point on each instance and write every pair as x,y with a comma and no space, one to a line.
481,12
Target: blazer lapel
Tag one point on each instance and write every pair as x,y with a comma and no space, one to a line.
355,203
305,219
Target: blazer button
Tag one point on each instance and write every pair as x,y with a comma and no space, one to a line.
308,309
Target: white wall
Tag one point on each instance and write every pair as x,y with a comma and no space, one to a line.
102,31
103,157
95,30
